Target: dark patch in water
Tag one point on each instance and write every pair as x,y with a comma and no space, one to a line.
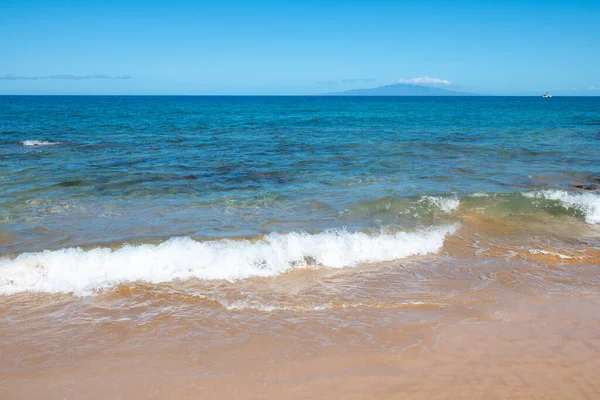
587,187
70,183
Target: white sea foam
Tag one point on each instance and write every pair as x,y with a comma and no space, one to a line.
586,203
549,253
38,143
242,305
479,194
83,272
444,203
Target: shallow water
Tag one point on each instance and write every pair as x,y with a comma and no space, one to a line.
89,170
301,247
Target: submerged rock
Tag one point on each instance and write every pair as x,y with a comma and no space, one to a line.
588,187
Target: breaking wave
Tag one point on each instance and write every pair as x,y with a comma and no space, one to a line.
586,203
38,143
82,272
446,204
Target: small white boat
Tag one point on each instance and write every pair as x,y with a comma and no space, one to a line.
546,95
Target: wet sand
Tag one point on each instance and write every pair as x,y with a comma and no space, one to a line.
541,350
497,314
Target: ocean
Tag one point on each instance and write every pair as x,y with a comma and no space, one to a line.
353,245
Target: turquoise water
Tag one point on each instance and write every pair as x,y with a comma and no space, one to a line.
99,170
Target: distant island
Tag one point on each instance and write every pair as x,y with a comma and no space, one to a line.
402,89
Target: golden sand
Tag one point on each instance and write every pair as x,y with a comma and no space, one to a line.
497,314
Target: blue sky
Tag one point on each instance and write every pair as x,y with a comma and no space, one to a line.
302,47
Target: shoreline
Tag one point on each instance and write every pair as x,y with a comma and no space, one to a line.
477,317
528,348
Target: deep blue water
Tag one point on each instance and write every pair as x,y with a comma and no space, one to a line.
140,168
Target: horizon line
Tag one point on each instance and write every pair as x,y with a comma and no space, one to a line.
273,95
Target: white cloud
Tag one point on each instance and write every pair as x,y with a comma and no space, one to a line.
15,77
427,81
594,88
